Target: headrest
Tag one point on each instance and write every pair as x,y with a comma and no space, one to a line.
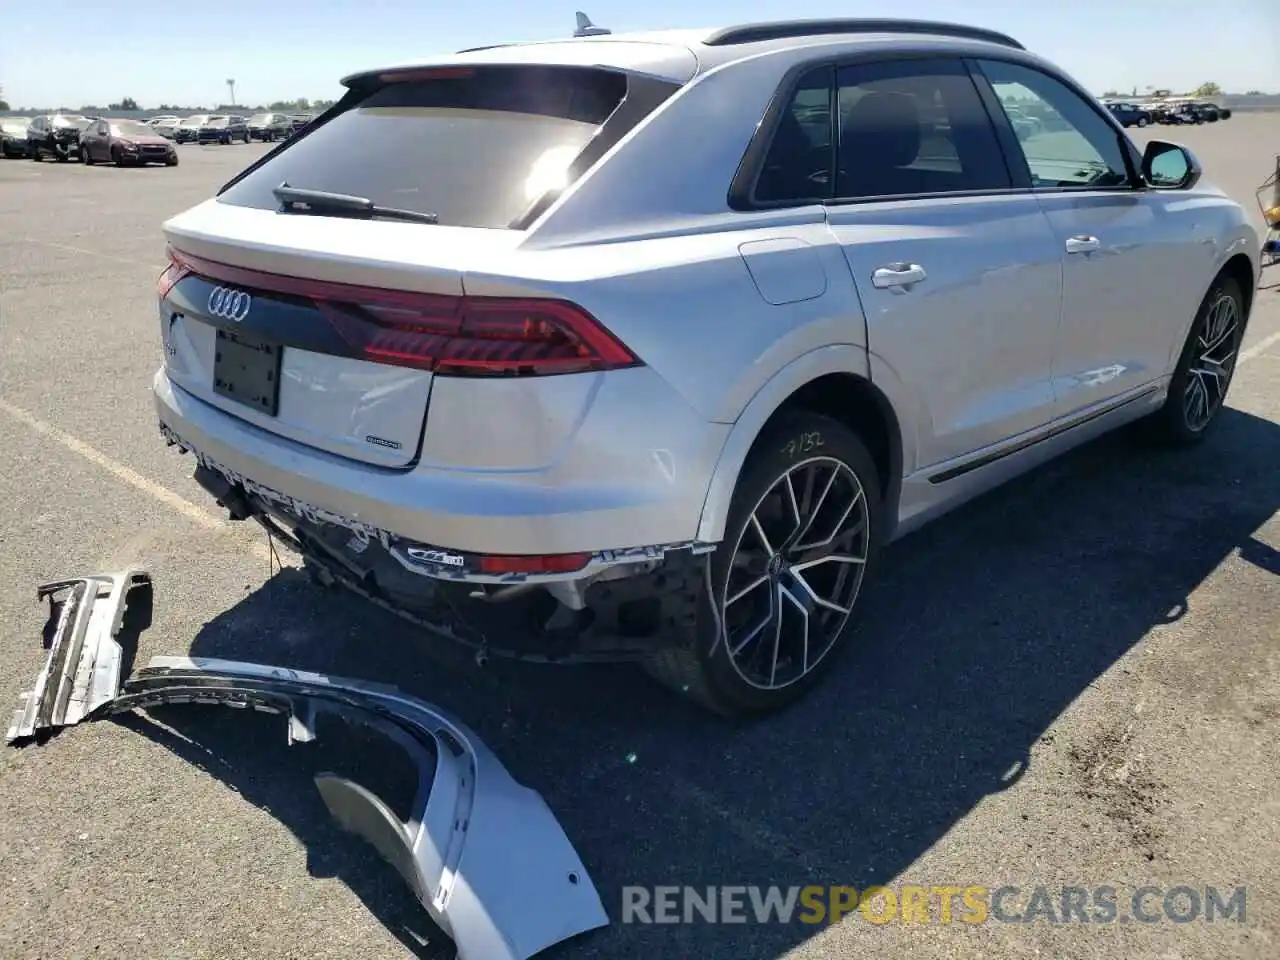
881,130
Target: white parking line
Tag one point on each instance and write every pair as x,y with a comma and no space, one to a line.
195,514
95,253
1257,349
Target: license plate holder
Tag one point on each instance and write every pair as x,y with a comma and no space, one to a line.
246,369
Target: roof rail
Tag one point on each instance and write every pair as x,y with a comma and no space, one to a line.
781,29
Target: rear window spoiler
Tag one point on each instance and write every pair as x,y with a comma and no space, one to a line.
483,854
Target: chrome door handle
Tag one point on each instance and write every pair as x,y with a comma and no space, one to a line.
898,275
1083,244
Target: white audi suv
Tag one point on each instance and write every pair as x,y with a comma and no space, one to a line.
644,346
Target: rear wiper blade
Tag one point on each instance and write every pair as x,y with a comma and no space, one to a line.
299,200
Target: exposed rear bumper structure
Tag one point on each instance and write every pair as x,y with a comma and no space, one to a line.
484,855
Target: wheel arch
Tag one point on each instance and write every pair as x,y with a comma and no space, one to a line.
1243,270
832,381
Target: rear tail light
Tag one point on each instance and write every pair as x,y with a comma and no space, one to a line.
452,335
172,274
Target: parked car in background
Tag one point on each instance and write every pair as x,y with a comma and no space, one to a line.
1208,112
222,129
300,120
125,143
13,137
163,116
270,126
1024,124
1188,113
187,130
1224,113
1129,114
166,127
56,135
675,418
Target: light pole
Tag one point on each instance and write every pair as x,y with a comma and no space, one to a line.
231,88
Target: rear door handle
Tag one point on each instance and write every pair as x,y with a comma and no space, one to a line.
1083,244
898,275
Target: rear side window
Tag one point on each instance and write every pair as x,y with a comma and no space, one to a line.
915,127
902,128
476,147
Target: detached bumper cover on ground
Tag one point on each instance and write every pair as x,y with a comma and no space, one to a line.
482,853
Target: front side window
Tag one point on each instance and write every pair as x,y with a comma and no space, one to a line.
1072,145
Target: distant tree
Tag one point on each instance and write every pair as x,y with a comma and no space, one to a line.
128,103
1208,90
4,104
1110,93
1255,93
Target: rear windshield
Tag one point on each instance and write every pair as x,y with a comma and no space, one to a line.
474,147
67,120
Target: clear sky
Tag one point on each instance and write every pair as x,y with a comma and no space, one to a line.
73,52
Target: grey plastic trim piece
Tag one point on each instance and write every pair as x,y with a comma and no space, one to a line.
82,670
483,854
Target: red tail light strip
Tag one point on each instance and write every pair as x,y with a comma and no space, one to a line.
551,563
452,335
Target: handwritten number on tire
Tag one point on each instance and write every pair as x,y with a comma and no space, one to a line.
803,443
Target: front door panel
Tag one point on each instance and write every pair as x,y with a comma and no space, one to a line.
974,340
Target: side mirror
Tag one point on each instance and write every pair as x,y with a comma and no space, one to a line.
1167,166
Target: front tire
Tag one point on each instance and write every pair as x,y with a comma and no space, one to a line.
1198,389
802,534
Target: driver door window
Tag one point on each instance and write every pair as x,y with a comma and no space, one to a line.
1070,144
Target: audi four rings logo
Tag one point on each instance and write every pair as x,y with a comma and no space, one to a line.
229,304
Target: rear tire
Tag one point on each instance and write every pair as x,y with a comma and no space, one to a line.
1198,388
802,534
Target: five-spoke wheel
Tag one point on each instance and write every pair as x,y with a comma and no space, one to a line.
795,573
800,539
1216,346
1198,388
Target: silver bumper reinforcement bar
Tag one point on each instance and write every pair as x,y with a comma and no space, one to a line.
482,853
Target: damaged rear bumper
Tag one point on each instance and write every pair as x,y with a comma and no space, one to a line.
483,854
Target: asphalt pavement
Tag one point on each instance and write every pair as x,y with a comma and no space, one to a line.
1073,681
